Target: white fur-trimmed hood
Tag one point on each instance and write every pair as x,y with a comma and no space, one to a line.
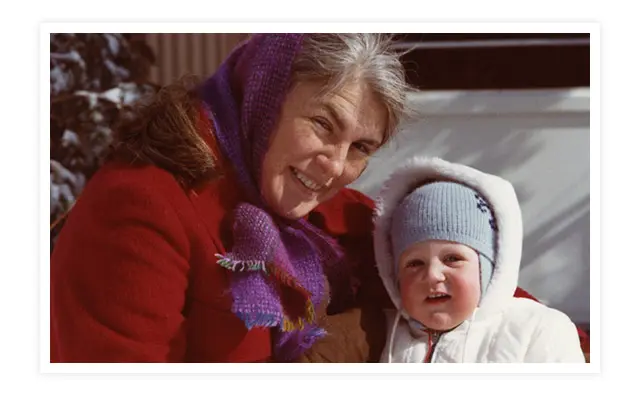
498,192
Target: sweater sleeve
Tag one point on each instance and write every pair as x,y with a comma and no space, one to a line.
119,273
555,341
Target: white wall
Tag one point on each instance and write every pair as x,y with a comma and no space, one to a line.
539,141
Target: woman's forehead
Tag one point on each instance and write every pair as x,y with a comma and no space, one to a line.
346,96
355,100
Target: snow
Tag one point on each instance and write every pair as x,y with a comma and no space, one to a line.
124,94
63,183
117,71
71,56
61,174
86,134
113,43
131,93
70,138
101,138
61,198
55,197
97,117
60,80
66,194
114,95
91,96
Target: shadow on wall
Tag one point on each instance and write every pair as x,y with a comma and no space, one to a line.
571,227
539,141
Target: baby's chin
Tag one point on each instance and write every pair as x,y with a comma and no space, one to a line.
439,322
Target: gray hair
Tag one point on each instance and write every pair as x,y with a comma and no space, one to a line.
339,58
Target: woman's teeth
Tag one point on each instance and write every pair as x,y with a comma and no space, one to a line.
306,181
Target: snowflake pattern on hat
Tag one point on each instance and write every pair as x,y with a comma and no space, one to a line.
484,207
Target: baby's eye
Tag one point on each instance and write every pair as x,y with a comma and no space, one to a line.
452,258
414,263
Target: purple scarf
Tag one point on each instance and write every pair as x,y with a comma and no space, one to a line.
277,264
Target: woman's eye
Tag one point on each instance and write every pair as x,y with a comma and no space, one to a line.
364,148
322,122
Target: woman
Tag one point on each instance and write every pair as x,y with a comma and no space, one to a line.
221,229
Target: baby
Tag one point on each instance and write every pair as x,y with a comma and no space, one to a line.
448,242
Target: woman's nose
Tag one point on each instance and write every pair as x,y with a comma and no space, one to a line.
332,161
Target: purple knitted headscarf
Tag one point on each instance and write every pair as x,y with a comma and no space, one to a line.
277,264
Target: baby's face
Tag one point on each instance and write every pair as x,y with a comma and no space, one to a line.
439,283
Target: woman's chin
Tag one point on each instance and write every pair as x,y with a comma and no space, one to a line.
299,211
291,209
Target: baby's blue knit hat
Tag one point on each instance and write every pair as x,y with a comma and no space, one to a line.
446,211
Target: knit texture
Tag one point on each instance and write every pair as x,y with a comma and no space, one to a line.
277,264
446,211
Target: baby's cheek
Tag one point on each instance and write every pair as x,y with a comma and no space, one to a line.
405,291
408,293
470,292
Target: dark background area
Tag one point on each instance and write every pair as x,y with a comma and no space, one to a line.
472,61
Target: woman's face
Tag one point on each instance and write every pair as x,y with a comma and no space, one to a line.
320,145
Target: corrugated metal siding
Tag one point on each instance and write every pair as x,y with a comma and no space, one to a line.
195,53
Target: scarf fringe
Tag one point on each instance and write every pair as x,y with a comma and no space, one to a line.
309,314
299,323
257,319
239,265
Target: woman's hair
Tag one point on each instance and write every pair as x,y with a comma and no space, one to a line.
338,59
163,130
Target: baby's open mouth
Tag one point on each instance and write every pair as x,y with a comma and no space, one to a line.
437,298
